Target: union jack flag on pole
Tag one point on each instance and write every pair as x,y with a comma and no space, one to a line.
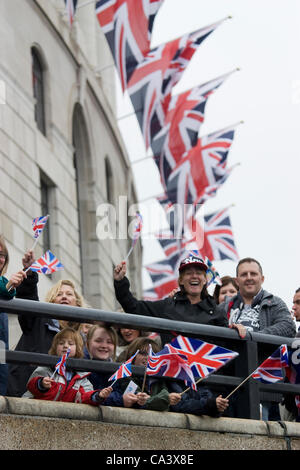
38,225
46,264
70,9
169,363
163,278
183,121
217,240
124,370
127,25
203,358
200,168
60,366
271,370
151,84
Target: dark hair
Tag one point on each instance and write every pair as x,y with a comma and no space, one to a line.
121,340
142,344
225,281
248,260
297,290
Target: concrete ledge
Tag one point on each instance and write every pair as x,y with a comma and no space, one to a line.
122,428
50,409
143,417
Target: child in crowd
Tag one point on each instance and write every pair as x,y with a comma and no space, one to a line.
125,337
156,395
38,332
47,384
101,343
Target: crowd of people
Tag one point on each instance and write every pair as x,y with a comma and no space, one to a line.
239,303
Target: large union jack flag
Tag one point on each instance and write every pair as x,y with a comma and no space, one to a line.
38,225
169,363
271,370
204,166
150,294
151,84
163,278
124,370
127,25
182,124
47,264
203,358
216,236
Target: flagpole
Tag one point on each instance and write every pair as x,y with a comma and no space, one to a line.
200,380
128,254
35,242
146,366
145,375
245,380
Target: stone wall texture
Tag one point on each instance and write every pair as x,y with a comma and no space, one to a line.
40,425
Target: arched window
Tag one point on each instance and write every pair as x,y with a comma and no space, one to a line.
38,90
85,202
109,182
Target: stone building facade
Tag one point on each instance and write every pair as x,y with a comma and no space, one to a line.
61,151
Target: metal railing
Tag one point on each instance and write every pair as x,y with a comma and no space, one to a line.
252,349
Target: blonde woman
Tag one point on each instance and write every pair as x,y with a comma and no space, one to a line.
38,332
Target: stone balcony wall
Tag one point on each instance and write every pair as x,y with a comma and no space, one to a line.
41,425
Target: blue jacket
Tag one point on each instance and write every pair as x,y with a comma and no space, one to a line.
198,402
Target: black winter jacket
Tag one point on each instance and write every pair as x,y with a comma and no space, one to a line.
178,308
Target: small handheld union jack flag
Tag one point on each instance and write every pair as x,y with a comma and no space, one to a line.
124,370
38,225
46,264
169,363
270,371
60,366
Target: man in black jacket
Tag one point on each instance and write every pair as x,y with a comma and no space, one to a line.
191,304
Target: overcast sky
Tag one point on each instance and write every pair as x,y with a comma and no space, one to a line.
263,40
